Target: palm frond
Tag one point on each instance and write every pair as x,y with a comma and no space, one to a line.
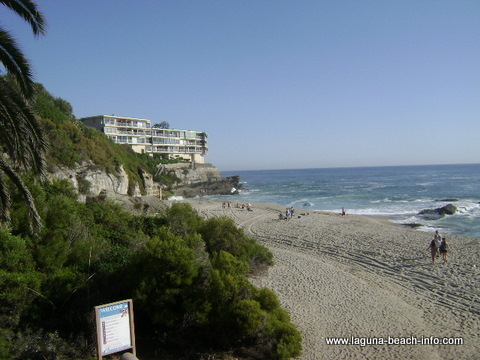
22,137
5,202
15,63
27,196
28,10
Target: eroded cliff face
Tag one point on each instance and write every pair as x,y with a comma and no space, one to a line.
90,181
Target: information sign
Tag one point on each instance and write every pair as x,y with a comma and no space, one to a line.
115,330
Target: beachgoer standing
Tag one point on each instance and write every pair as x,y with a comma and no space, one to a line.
433,250
438,239
444,247
288,213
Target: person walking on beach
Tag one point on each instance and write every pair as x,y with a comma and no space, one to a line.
444,249
433,250
438,240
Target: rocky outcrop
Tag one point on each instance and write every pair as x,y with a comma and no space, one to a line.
188,174
100,180
438,212
90,180
201,179
223,186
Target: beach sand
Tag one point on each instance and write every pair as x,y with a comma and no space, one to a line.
364,277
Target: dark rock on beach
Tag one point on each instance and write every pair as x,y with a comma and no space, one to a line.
412,225
439,212
448,209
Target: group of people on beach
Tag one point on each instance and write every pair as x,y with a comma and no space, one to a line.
438,246
289,214
247,206
289,211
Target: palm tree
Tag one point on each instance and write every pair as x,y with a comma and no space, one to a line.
22,143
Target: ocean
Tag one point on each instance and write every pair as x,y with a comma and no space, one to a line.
396,192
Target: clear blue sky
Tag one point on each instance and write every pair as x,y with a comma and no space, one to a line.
275,83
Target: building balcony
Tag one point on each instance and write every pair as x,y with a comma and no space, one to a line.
132,133
131,125
132,141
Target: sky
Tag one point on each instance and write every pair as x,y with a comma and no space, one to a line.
276,84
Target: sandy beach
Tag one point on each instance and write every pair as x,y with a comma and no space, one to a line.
366,281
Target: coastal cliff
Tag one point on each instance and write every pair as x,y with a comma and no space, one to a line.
90,180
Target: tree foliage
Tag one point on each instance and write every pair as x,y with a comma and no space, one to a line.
162,125
188,295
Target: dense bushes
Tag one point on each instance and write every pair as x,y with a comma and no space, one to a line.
221,234
186,276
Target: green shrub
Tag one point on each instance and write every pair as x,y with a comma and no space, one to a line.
166,272
83,185
39,345
19,282
183,219
288,341
283,338
222,234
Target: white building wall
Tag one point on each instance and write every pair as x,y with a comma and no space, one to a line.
186,144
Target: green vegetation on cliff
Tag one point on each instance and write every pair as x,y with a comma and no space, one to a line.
72,143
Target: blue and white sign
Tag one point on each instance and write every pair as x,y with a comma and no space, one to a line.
114,327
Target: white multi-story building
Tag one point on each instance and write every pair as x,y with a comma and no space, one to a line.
186,144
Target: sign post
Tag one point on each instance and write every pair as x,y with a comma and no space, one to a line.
115,328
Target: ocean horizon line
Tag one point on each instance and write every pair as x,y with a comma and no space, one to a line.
355,167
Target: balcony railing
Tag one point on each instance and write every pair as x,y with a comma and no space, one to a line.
130,141
157,149
132,125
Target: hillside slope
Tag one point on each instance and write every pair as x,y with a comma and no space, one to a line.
95,166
